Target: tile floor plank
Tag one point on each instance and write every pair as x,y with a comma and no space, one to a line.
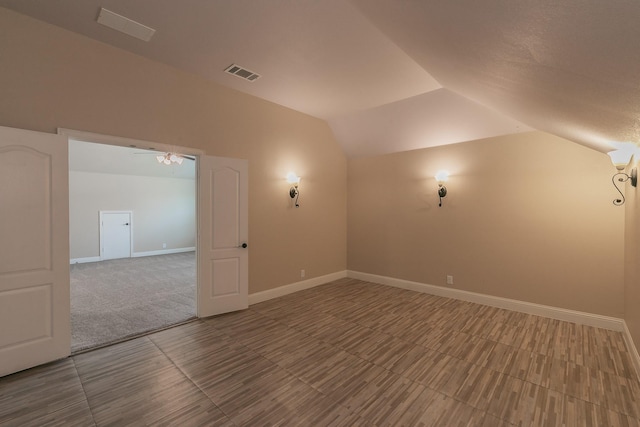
342,354
48,394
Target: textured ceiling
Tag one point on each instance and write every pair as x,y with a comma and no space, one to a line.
571,67
394,75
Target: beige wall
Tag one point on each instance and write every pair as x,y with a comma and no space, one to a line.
53,78
632,260
527,217
163,211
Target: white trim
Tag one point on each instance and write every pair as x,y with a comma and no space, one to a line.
589,319
134,255
295,287
162,252
632,348
84,260
126,142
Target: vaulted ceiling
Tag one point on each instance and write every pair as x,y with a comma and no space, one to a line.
395,75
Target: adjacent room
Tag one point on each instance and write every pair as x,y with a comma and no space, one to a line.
132,235
433,206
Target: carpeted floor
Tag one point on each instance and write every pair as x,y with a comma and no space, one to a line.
115,299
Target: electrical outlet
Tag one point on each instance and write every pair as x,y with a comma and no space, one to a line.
164,246
302,274
449,280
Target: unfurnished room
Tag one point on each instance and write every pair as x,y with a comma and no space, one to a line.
361,212
132,239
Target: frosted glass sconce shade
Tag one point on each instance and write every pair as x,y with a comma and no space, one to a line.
442,177
620,158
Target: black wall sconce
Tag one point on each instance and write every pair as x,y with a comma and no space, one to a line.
441,178
294,191
620,159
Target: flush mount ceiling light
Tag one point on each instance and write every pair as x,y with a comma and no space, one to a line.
620,159
170,158
442,177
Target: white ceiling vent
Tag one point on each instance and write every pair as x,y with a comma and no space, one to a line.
243,73
125,25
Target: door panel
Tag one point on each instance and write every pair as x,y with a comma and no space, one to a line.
28,211
226,275
223,262
34,249
115,235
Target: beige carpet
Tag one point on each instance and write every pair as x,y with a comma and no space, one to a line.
115,299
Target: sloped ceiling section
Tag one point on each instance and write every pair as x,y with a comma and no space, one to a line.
393,75
439,117
571,68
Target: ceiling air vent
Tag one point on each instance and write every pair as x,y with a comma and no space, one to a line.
243,73
125,25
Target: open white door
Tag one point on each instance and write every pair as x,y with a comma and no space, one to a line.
34,249
223,256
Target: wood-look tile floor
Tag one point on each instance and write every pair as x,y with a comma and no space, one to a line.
344,354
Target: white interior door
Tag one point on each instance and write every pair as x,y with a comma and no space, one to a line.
115,235
34,249
223,256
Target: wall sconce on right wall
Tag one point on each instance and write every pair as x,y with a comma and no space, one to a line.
620,159
294,191
442,177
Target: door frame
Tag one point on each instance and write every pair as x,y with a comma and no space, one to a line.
101,232
78,135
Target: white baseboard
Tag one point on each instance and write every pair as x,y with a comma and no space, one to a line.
134,255
84,260
162,252
295,287
589,319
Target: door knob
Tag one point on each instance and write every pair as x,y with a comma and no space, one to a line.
126,223
243,246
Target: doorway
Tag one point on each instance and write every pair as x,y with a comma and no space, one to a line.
132,234
34,268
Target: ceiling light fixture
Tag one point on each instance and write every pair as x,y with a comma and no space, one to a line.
169,158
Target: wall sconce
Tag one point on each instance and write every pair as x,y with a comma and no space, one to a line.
294,192
441,178
620,159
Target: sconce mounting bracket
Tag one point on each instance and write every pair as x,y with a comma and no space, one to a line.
623,177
